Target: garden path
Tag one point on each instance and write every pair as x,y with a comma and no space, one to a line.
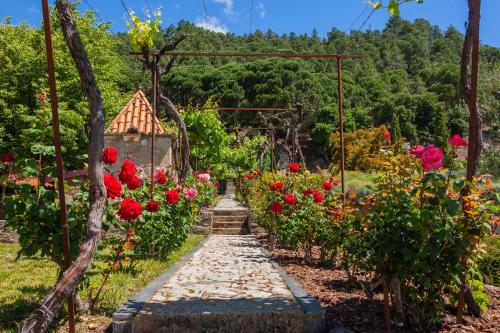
228,284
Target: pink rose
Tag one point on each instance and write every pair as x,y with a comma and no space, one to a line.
432,158
204,176
457,141
191,194
418,151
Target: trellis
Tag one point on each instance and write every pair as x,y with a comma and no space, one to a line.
168,50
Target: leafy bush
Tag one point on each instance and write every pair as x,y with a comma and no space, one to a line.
131,223
362,148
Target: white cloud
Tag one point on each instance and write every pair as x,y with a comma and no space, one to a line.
261,10
228,6
212,24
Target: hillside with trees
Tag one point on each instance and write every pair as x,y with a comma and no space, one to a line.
409,70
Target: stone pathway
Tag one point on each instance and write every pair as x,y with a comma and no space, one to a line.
228,284
224,268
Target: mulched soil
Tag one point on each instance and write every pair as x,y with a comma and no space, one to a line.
347,305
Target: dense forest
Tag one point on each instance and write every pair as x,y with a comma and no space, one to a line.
409,71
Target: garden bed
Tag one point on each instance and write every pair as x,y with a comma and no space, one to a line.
23,284
347,305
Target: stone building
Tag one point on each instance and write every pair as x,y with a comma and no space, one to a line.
130,132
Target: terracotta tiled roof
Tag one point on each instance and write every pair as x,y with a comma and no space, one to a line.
136,114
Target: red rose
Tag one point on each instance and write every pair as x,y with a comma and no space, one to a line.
276,207
113,186
290,199
387,135
127,172
457,141
327,186
160,178
278,187
307,191
216,185
172,197
153,206
8,158
318,196
130,210
334,181
109,155
294,167
432,158
134,183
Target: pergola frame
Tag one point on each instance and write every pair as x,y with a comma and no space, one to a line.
337,57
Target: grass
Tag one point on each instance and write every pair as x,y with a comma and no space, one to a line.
361,182
24,282
489,264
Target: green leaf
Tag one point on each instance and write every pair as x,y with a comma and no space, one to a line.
39,149
452,207
394,7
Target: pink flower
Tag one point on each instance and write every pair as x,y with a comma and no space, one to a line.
457,141
178,187
432,158
204,176
191,194
418,151
387,135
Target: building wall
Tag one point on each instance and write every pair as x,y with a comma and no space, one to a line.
140,151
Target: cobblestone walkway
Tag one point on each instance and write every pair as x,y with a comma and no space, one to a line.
228,268
229,284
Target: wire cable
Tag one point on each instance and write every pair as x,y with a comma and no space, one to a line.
205,13
96,13
127,11
251,18
357,19
149,7
366,20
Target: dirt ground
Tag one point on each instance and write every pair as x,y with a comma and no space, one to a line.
347,305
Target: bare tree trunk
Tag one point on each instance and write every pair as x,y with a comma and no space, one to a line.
52,303
468,83
298,147
398,301
175,115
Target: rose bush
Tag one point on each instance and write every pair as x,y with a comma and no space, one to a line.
152,224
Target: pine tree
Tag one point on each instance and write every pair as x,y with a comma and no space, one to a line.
396,133
441,132
396,129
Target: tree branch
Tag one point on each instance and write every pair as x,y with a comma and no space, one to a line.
173,44
52,303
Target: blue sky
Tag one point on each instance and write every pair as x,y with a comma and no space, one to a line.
282,16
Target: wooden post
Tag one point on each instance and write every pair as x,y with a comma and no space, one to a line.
470,56
154,70
341,128
387,309
59,160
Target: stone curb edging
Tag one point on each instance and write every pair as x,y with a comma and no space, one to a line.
309,304
123,317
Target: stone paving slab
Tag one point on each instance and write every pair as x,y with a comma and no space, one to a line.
229,284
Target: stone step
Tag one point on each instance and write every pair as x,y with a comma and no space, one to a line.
230,212
230,231
223,218
229,225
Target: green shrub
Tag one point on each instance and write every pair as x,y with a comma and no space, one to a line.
489,263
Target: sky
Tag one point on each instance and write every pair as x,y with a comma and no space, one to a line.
282,16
